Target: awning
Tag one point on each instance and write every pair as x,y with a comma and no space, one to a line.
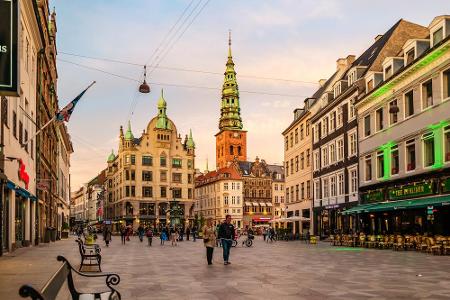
248,203
269,204
255,204
399,205
262,203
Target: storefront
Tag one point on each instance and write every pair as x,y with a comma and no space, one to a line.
418,207
330,219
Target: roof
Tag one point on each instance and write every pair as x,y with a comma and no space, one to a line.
225,173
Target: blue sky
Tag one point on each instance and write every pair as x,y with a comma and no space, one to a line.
294,39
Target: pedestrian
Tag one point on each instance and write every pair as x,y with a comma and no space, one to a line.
264,234
177,236
141,232
129,231
226,234
194,233
172,236
123,234
107,235
149,235
163,236
188,232
209,239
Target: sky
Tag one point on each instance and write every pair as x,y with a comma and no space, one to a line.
298,40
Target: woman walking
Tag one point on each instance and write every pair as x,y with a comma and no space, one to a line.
149,235
209,239
163,236
107,235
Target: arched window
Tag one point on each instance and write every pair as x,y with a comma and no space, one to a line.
231,150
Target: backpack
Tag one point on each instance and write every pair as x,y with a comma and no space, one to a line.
149,233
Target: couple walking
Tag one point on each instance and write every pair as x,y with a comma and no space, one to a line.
226,235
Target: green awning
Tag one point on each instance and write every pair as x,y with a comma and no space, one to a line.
399,205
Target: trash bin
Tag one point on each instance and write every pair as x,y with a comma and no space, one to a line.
53,234
47,235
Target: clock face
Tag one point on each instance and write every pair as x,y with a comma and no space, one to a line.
235,134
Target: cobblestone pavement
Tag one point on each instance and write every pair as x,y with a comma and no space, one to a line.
283,270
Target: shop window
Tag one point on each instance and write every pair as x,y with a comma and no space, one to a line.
379,119
427,94
410,155
409,104
428,149
368,168
393,112
380,164
394,160
447,142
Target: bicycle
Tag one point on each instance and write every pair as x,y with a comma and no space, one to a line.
248,241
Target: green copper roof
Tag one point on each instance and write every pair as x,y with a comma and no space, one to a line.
190,142
163,121
112,156
129,134
230,117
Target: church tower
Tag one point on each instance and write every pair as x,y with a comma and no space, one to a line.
231,140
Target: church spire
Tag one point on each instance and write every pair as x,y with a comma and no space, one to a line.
230,112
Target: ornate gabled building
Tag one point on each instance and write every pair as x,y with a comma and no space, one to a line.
231,140
151,175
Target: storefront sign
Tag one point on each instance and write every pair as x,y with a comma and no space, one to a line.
9,71
332,206
410,191
446,185
372,196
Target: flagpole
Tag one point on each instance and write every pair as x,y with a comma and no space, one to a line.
49,122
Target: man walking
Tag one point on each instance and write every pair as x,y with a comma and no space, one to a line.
226,236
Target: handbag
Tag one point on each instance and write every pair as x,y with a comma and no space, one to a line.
205,240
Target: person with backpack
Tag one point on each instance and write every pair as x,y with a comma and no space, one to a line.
149,235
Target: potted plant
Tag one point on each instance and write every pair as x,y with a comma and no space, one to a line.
65,231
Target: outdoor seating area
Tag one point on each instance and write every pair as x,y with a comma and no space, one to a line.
436,245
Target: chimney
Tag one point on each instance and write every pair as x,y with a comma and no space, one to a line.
379,36
344,63
322,82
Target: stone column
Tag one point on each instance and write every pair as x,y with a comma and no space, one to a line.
12,219
27,222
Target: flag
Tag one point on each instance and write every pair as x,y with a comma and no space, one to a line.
65,113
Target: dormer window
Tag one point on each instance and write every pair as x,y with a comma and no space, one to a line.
387,72
351,78
337,89
409,56
438,35
370,85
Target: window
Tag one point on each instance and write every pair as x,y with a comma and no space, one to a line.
286,143
368,168
176,193
316,161
380,164
352,112
302,160
308,124
302,190
367,125
428,149
276,187
324,126
302,132
308,157
296,135
133,159
316,132
190,164
326,192
316,190
340,117
291,139
163,176
409,104
4,111
127,175
296,163
332,121
332,153
287,194
410,155
340,191
379,119
225,200
276,199
447,143
393,112
333,186
147,176
353,143
409,56
225,186
296,192
395,163
308,189
353,181
163,161
20,132
370,85
427,94
438,35
133,191
325,156
176,177
287,168
292,166
147,160
387,72
190,178
127,191
147,191
133,175
340,149
176,163
446,86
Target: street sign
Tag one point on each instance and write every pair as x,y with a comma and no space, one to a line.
9,64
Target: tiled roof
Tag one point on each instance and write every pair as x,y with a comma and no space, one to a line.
222,173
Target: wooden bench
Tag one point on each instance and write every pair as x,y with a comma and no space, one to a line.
91,254
52,287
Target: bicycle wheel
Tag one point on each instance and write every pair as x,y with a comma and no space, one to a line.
248,243
234,243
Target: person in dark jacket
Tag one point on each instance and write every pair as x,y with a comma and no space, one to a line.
226,236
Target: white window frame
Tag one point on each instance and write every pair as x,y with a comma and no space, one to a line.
340,149
424,137
332,152
340,184
422,97
332,119
333,186
316,132
316,158
339,117
325,156
325,188
353,180
351,111
324,126
350,134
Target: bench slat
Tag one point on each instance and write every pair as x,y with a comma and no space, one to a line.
52,287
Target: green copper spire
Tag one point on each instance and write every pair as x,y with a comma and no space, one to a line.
129,135
163,121
230,111
190,142
111,157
